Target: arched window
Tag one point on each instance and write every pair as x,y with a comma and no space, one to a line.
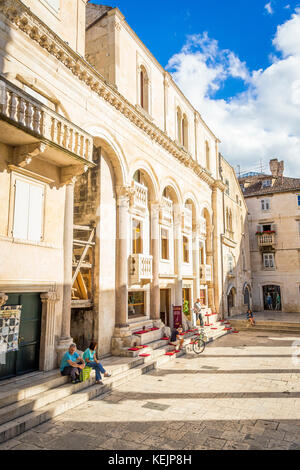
144,89
207,154
230,263
185,136
179,126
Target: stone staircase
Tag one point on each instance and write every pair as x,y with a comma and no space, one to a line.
27,401
267,325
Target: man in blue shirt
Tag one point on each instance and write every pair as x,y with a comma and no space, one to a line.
71,364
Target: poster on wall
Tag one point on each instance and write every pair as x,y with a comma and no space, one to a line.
177,316
10,318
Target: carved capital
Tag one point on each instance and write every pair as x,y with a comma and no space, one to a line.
125,194
3,299
49,297
24,154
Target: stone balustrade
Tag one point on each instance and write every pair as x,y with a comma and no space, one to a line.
140,199
35,118
141,268
187,219
267,239
205,273
166,213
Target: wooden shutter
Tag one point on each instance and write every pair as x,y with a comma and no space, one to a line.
35,215
21,210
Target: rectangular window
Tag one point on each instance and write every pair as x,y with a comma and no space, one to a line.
203,296
265,204
298,197
55,4
136,304
165,244
28,211
186,250
137,241
269,260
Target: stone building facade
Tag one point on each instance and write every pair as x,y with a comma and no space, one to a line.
85,101
273,202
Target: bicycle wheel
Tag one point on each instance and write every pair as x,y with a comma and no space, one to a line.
199,346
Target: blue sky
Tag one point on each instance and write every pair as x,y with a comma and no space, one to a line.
249,42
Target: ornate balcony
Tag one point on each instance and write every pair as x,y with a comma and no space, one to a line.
205,273
187,224
26,123
266,239
166,212
140,198
141,269
202,226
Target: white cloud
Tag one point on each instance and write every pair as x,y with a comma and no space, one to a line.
269,8
263,122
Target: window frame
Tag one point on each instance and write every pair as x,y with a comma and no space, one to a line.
269,256
186,250
135,219
264,203
168,244
31,183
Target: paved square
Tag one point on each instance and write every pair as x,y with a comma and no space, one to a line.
242,393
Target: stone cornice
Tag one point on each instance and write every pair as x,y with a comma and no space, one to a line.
21,16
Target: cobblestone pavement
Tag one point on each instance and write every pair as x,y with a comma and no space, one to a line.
242,393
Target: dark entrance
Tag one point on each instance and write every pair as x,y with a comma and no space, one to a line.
272,298
247,297
230,301
26,359
165,306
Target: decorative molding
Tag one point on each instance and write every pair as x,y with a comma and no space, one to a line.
24,154
30,174
21,16
3,299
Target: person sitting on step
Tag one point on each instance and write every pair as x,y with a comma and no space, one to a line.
176,339
71,364
250,317
91,360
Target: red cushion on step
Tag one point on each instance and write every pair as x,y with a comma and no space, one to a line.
214,328
165,339
144,355
227,329
235,332
133,349
170,353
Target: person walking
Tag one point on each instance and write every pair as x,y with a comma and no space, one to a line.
197,313
91,360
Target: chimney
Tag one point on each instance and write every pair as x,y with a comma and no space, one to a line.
276,168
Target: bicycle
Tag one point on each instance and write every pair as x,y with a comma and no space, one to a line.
199,344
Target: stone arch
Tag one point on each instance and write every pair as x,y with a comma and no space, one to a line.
105,140
150,176
177,195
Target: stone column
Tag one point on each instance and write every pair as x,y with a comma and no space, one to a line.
65,339
155,291
122,333
49,300
122,258
178,257
196,266
210,285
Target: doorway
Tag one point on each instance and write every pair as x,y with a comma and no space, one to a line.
26,359
165,306
186,300
230,301
272,298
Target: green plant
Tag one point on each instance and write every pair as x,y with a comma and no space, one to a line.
186,308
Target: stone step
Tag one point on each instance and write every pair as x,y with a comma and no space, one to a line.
21,391
75,396
267,326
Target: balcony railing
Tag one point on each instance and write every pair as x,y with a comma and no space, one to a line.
187,219
166,213
202,226
266,239
33,117
140,199
205,273
141,268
